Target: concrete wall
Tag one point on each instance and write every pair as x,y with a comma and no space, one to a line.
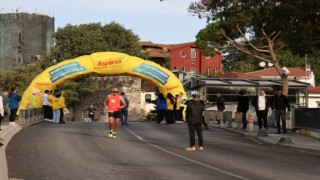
24,36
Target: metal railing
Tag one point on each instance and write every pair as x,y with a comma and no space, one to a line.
30,115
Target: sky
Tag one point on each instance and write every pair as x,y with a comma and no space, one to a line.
166,22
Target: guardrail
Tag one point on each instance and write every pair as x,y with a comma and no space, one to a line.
30,115
211,116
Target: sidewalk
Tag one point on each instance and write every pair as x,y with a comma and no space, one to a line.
290,139
6,134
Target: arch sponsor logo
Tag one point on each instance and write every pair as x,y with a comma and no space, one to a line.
107,63
65,70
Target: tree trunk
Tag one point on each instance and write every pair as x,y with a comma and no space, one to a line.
285,84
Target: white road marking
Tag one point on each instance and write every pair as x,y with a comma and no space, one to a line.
185,158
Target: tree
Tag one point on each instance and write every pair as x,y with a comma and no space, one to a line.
85,39
260,28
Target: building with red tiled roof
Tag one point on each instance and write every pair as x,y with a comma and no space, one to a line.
314,97
236,75
184,57
314,90
303,74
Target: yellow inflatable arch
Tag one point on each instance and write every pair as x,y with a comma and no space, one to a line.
108,63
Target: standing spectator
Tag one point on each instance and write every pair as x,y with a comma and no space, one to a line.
261,105
1,111
90,112
62,105
243,106
124,110
45,105
13,105
194,115
161,107
50,113
113,103
220,104
205,124
177,109
55,108
5,99
279,103
181,108
171,102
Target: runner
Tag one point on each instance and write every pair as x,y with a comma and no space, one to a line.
112,103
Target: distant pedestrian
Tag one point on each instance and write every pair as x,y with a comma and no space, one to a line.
62,105
243,106
90,112
176,110
1,111
50,113
279,103
194,115
161,107
56,108
171,103
14,99
205,124
4,94
113,103
45,105
181,108
261,105
124,110
220,104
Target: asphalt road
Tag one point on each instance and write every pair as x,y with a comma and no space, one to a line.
82,151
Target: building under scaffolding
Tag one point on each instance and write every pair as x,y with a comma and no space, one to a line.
24,38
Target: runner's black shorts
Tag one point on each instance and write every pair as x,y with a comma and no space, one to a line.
115,114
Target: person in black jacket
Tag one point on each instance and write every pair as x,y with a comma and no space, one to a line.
279,103
205,124
261,105
243,106
194,115
220,104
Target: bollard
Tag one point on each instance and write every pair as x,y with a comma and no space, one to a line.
288,120
22,117
206,115
213,115
220,117
251,118
228,118
238,117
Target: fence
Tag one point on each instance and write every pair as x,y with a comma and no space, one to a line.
307,118
28,116
229,116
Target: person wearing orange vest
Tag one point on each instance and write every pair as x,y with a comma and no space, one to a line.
113,105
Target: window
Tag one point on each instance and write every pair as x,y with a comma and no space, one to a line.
175,67
183,54
193,54
214,72
193,70
207,72
183,69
